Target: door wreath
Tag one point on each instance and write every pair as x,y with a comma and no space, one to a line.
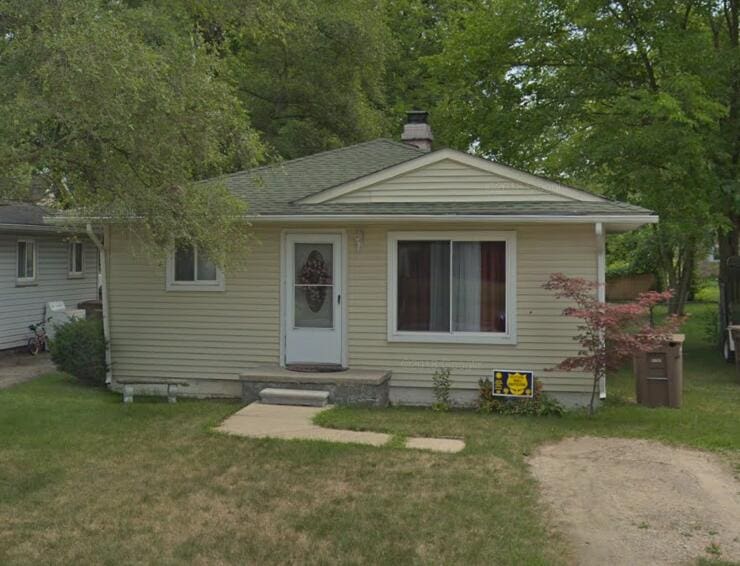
315,272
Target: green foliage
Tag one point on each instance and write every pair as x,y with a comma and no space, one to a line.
619,268
634,100
632,253
709,321
708,292
540,404
441,384
78,348
310,71
115,110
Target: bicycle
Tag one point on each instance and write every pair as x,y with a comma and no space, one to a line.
40,340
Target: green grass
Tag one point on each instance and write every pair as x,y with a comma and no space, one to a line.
86,479
709,418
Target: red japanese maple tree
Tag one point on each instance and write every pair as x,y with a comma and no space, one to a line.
609,333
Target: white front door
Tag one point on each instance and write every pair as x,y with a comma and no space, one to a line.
313,299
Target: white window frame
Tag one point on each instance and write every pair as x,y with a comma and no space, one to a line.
71,260
27,280
508,337
210,285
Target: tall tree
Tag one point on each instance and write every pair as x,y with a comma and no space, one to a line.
117,110
629,97
418,29
724,22
310,71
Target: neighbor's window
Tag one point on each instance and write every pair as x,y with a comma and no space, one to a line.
75,259
451,287
26,266
190,268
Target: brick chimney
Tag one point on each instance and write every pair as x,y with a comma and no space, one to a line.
416,131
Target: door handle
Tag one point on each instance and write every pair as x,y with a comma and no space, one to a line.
339,299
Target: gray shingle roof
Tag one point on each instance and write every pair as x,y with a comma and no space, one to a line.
275,189
21,214
573,208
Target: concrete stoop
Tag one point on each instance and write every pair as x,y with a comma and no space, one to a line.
362,387
301,397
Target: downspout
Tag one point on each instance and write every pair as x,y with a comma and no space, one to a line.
601,281
106,319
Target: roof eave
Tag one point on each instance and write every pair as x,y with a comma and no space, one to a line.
10,227
633,220
612,222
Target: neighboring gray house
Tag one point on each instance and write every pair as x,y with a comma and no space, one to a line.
39,263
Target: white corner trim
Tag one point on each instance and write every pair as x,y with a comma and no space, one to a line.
509,337
601,282
103,255
199,286
459,157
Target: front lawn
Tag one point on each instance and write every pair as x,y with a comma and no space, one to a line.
85,479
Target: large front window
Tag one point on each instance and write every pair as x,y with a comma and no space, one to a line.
451,286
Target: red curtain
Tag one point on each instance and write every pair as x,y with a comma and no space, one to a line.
493,287
414,285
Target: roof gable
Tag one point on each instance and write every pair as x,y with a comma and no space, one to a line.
283,183
449,176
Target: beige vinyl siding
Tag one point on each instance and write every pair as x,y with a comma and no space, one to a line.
448,181
215,335
24,305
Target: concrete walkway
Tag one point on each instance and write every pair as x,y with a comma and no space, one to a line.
296,423
19,367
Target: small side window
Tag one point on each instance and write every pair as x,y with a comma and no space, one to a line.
189,269
76,259
26,264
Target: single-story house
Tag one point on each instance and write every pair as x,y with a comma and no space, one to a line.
39,263
385,258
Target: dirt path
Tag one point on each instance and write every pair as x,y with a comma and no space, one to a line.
17,368
632,502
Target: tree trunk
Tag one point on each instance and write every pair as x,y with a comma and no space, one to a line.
728,246
728,239
680,275
594,388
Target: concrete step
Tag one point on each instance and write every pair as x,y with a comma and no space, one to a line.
306,397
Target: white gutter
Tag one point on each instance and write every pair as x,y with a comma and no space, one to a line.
636,219
106,320
527,218
601,289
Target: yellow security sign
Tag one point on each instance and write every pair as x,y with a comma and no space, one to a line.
513,383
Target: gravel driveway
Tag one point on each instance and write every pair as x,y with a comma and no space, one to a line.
623,501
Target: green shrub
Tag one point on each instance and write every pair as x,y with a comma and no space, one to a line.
78,348
540,404
441,384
